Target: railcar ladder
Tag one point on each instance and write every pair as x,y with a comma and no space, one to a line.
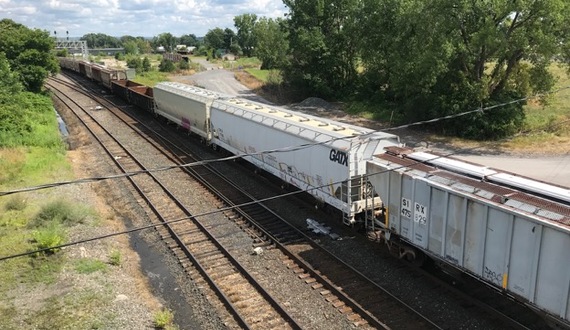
356,191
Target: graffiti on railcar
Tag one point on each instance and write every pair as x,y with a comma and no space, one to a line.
493,276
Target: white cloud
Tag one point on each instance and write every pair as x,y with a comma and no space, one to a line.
134,17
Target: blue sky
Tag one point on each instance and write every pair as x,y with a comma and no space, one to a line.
134,17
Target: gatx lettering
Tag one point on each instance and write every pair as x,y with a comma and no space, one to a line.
339,157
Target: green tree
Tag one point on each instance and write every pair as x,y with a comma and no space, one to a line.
131,47
62,52
166,66
189,40
271,45
441,57
135,62
29,53
101,40
9,82
229,38
166,40
143,45
323,39
214,39
245,25
146,66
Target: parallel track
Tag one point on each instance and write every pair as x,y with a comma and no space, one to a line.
363,301
360,299
251,306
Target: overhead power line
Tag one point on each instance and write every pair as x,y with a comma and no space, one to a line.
285,149
128,231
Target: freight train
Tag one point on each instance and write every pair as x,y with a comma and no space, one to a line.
508,231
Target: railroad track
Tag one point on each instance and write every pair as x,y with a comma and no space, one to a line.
362,301
249,304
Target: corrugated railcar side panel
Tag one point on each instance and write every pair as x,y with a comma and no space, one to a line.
473,229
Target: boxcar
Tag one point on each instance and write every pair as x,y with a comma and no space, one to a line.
514,240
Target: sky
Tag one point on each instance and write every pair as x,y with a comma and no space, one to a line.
145,18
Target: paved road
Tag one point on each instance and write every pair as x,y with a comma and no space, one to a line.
555,170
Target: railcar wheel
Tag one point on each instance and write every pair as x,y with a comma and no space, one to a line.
417,259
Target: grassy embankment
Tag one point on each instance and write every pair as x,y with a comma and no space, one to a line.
40,219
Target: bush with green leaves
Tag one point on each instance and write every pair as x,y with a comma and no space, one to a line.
134,62
166,66
163,319
146,66
183,65
115,258
49,238
59,212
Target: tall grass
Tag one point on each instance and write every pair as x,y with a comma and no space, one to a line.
151,78
547,124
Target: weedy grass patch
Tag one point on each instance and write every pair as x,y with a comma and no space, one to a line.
70,312
115,258
89,265
151,78
163,319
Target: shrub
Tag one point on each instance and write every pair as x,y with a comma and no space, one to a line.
60,212
183,65
166,66
163,319
146,66
15,204
48,238
115,258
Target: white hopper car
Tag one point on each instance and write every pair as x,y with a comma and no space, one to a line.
511,232
333,170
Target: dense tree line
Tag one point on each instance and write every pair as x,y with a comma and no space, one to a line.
430,58
28,53
26,60
419,58
139,45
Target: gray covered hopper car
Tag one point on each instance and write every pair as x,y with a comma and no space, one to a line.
186,106
330,166
323,157
508,237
